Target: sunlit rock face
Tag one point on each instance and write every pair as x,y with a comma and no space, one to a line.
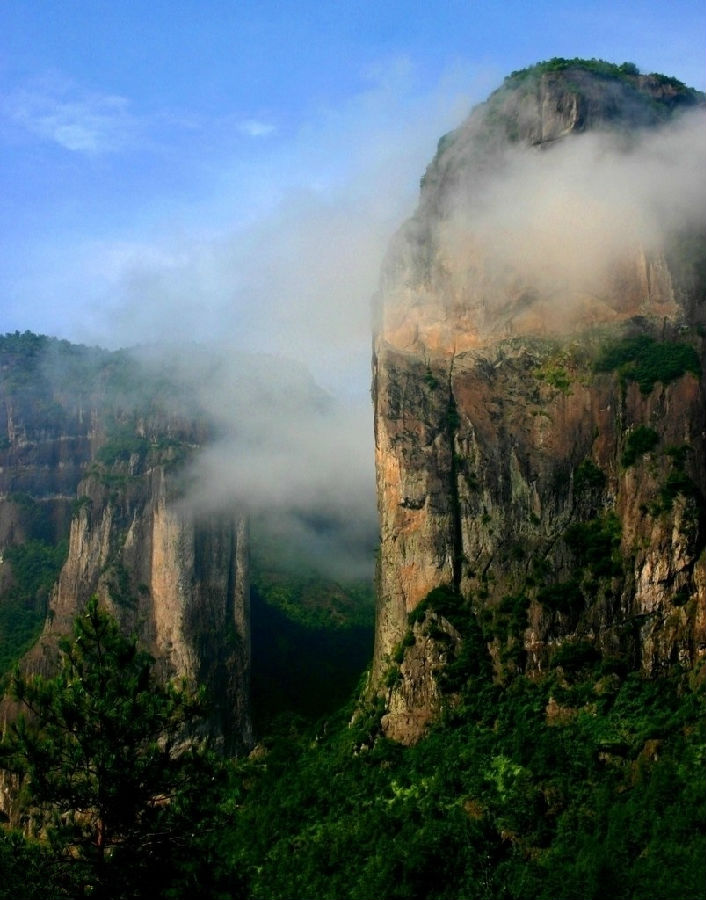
178,580
512,452
96,453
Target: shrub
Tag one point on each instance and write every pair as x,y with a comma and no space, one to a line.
678,482
588,476
646,361
574,656
641,440
565,597
596,544
121,446
443,600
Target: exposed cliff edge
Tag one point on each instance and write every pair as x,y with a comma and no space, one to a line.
540,410
179,581
95,454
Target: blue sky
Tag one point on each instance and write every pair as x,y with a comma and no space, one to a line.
232,170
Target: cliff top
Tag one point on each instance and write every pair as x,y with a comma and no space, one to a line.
564,201
546,101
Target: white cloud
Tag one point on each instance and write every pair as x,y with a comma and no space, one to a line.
256,129
292,277
55,109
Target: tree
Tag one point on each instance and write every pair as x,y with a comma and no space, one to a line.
112,772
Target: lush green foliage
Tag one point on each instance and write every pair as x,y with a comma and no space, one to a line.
588,477
565,597
110,769
596,544
625,71
553,373
30,870
588,783
23,606
121,446
640,440
445,601
604,798
35,565
560,64
647,361
311,638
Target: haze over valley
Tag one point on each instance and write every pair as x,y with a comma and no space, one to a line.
352,451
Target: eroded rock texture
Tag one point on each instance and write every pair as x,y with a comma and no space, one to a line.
177,580
96,452
540,423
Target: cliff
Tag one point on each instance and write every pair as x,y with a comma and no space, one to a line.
540,411
177,580
95,456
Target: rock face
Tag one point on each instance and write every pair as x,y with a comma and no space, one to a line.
179,581
94,452
540,424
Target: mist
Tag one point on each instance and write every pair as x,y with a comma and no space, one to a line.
561,218
294,457
266,322
260,308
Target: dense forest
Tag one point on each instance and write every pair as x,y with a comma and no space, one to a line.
586,783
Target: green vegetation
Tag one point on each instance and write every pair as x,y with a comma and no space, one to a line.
50,379
647,361
23,606
678,482
596,544
311,638
34,517
574,656
121,446
79,504
560,64
499,801
445,601
553,373
588,477
587,782
565,597
641,439
624,72
510,617
453,420
30,570
430,379
110,778
30,870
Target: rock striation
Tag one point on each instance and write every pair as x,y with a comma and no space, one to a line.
540,413
96,452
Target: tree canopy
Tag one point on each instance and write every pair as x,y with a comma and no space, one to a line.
112,769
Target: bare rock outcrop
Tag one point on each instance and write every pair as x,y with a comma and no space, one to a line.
178,580
95,452
540,424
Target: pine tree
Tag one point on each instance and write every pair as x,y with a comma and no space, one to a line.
111,771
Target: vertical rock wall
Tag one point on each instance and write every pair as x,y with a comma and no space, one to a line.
561,497
177,580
